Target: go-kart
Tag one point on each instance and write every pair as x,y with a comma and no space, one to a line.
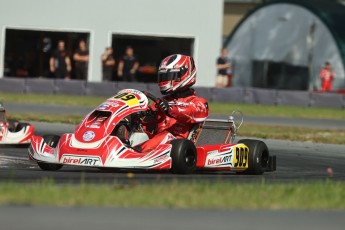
13,131
99,141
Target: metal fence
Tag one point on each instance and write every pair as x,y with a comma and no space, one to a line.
231,95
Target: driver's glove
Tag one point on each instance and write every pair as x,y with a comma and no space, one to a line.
164,105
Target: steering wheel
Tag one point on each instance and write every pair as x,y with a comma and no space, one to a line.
153,98
150,96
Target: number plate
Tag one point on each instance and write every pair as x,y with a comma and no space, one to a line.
240,159
129,98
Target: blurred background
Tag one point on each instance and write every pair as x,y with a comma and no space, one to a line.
278,44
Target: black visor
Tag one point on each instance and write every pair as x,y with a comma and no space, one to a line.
171,74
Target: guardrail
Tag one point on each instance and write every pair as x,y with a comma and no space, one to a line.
231,95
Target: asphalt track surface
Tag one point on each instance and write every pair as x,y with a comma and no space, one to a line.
53,218
296,162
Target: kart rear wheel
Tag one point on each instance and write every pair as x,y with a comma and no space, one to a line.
184,157
258,157
52,141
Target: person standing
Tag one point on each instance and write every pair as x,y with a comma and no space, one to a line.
327,76
128,66
108,64
224,69
81,58
60,63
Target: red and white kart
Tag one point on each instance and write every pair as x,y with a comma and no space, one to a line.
99,142
13,131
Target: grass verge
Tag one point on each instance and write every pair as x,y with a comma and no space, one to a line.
52,99
329,136
314,196
215,107
278,111
52,118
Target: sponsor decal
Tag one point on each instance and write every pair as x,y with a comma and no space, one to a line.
88,135
97,123
220,160
81,160
103,106
81,150
161,159
114,104
212,152
107,105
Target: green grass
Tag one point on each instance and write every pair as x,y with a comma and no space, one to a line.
52,118
331,136
326,195
215,108
52,99
279,111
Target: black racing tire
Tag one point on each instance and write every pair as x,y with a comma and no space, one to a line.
20,126
258,157
184,156
52,141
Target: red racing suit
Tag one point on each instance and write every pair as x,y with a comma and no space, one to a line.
327,77
185,111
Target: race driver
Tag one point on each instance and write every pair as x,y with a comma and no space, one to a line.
180,109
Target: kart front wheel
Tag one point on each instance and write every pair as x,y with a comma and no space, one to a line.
52,141
258,158
183,155
49,167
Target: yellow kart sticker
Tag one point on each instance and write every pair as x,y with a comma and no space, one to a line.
129,98
240,159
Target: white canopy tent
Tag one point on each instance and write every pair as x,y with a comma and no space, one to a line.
284,45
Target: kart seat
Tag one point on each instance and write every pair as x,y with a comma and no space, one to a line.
137,138
195,131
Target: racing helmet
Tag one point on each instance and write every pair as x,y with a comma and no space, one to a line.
176,73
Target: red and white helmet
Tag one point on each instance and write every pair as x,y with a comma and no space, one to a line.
176,72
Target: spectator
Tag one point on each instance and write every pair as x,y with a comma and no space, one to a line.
128,66
108,64
224,69
81,58
327,76
60,63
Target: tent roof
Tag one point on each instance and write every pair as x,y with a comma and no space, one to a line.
330,12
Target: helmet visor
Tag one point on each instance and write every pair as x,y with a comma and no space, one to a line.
170,75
